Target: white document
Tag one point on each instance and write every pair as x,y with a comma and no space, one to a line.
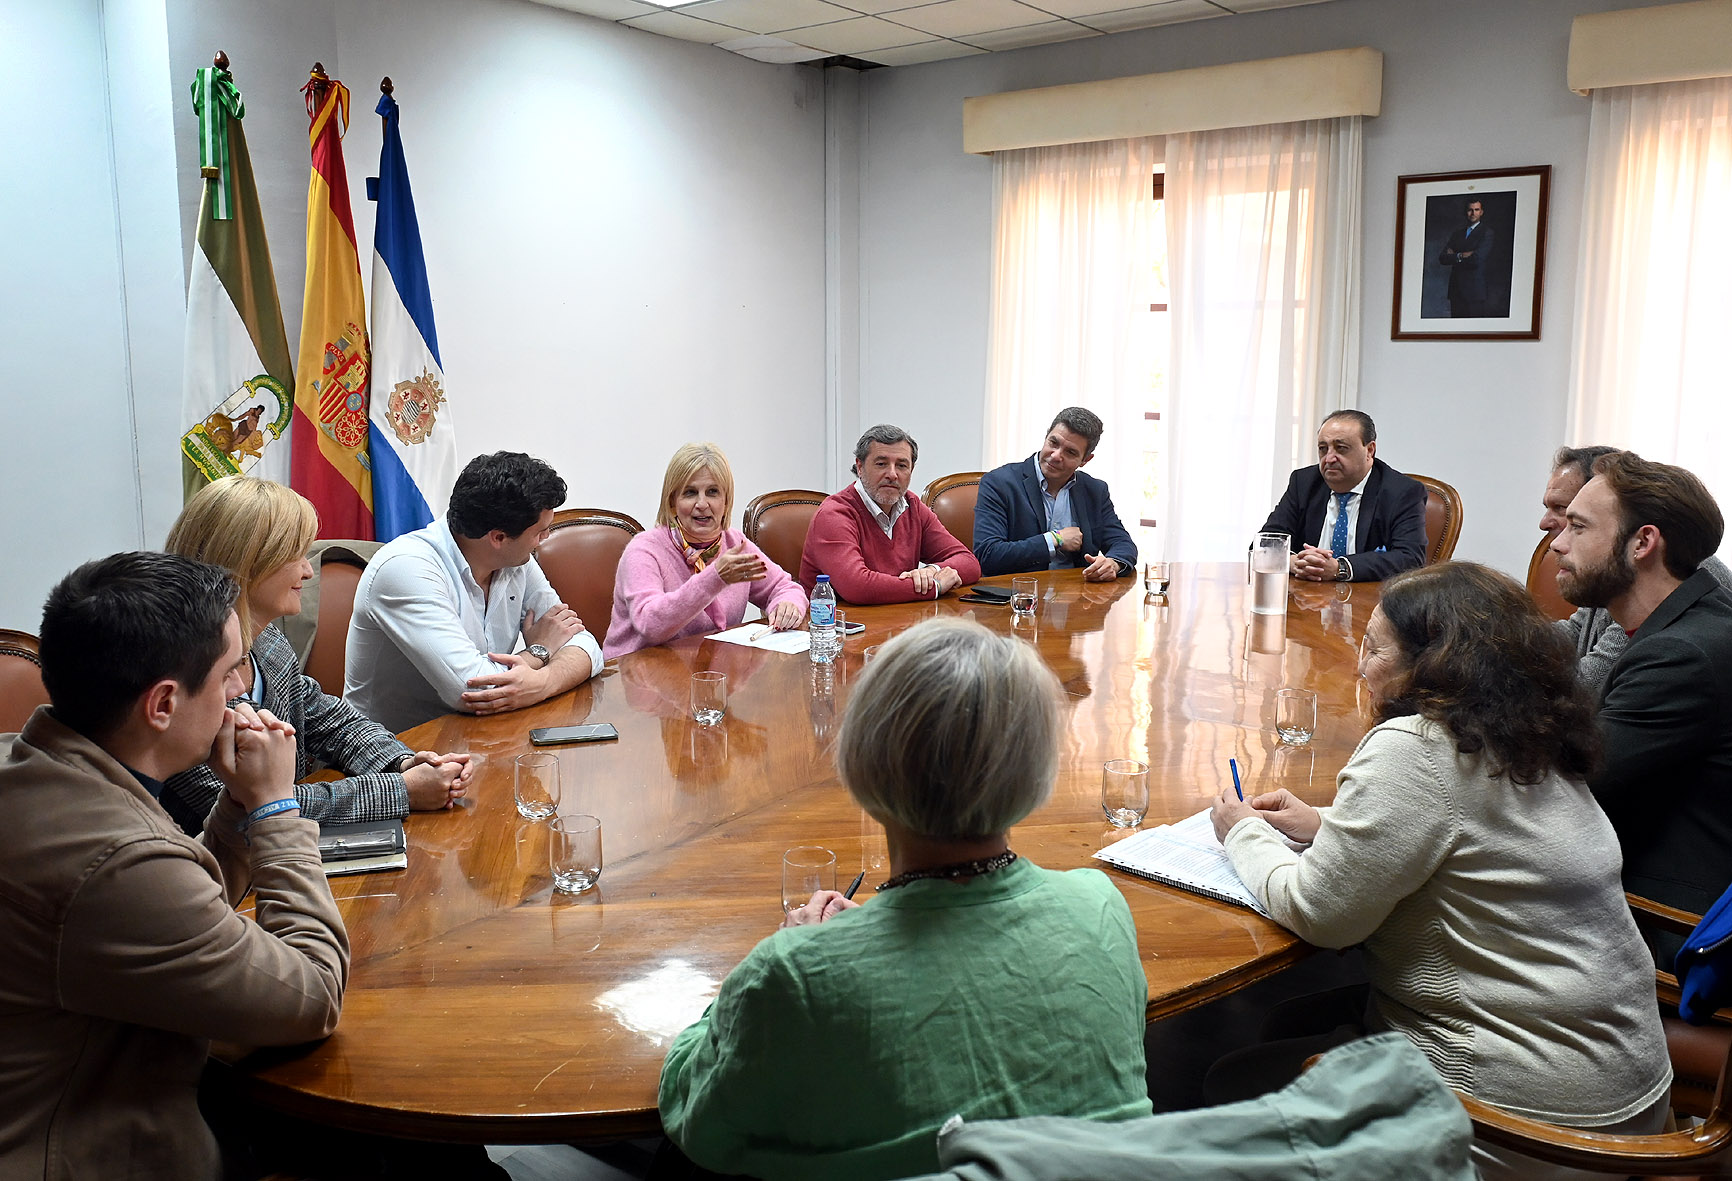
1185,855
759,635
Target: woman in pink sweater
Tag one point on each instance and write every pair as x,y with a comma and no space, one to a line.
691,574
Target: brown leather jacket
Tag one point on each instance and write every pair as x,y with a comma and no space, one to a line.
123,956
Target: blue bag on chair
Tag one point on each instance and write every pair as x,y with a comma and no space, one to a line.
1704,966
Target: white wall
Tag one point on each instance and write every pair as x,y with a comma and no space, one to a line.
1467,84
624,232
90,296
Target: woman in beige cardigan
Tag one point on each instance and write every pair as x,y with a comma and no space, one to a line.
1464,851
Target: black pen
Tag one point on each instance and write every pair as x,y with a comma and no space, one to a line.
858,878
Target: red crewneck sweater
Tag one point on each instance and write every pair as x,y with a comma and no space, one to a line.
846,543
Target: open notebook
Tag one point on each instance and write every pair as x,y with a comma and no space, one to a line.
1185,855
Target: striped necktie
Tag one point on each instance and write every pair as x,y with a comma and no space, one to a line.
1338,541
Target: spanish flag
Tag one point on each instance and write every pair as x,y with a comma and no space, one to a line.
329,461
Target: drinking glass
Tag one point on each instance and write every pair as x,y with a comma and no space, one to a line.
574,853
1268,560
840,633
1156,578
870,654
709,697
1295,715
1125,791
535,786
1022,595
806,869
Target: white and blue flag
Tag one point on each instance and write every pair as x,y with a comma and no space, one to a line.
414,445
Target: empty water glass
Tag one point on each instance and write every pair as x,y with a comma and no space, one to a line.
1125,792
806,869
1295,715
535,785
1023,592
574,853
709,697
1156,578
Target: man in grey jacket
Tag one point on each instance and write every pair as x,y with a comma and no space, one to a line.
1598,643
124,955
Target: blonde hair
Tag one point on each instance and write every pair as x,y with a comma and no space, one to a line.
687,462
248,526
952,731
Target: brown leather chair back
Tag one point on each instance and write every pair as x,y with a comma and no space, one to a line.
580,558
1442,519
1543,581
776,523
21,688
338,578
953,498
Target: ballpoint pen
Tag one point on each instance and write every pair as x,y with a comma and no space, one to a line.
1237,787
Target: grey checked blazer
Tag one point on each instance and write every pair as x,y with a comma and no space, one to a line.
329,732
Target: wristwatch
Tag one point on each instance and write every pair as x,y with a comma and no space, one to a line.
1343,572
540,652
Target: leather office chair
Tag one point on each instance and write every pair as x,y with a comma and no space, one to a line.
1543,581
776,522
21,688
581,556
1702,1087
953,498
1442,519
339,575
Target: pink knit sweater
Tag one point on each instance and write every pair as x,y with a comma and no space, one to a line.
657,598
845,542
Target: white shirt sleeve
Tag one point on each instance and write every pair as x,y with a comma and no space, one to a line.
539,595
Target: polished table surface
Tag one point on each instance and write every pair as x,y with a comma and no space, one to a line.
481,1006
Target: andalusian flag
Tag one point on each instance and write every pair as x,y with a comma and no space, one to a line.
414,443
331,467
236,402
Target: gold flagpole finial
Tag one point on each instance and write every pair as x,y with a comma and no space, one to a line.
221,60
385,86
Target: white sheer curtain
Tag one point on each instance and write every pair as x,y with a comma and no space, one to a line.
1072,272
1654,300
1263,230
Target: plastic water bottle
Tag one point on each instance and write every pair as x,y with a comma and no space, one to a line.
823,622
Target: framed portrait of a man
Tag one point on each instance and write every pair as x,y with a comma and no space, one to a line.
1470,254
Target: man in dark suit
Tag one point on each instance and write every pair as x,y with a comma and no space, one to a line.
1468,254
1637,533
1352,518
1044,513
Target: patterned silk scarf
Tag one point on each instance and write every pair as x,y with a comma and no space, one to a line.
696,558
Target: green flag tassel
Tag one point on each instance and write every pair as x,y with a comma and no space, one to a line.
216,99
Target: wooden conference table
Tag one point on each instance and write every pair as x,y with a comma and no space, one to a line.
482,1007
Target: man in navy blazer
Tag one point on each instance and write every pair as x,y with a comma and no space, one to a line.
1385,529
1043,513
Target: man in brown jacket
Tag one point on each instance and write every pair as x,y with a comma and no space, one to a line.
123,954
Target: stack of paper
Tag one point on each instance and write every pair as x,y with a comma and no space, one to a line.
760,635
1185,855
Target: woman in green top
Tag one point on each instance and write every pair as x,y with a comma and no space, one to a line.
974,984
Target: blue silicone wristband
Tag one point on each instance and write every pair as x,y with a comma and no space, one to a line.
267,810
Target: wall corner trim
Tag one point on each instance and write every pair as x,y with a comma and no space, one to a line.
1328,85
1640,46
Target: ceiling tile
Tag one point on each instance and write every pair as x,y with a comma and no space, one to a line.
1181,10
958,18
876,7
1154,14
613,10
1261,5
768,16
771,49
860,35
914,55
1045,33
686,28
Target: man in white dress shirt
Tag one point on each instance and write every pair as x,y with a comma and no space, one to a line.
439,612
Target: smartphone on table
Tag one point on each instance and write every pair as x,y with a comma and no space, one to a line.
558,735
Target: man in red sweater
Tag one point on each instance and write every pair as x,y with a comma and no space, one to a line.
875,539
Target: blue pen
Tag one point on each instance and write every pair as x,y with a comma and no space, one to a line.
1234,764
